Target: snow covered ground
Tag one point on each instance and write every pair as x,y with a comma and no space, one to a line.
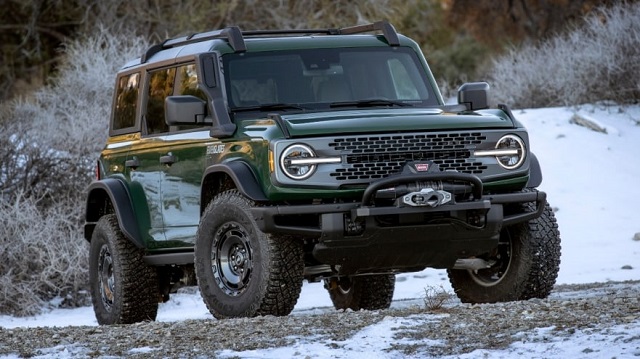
591,178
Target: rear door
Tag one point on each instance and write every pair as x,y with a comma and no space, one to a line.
123,158
146,171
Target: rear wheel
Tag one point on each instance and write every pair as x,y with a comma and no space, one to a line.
364,292
124,289
241,271
524,265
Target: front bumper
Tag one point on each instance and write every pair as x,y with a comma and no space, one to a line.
418,237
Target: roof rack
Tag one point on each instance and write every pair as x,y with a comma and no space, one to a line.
236,37
232,34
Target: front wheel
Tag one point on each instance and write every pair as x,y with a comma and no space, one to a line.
371,292
524,265
124,289
241,271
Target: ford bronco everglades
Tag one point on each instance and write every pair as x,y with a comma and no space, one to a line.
249,161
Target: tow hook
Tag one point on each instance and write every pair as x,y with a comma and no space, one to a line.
426,197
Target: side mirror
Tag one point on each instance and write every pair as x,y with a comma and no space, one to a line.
474,95
185,110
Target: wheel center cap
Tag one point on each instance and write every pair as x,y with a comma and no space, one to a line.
239,259
238,256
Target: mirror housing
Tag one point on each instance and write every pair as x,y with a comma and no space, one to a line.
474,95
185,110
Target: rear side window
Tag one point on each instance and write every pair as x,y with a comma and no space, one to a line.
126,100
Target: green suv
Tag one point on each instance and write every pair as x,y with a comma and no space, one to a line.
249,161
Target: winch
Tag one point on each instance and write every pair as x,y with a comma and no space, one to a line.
426,197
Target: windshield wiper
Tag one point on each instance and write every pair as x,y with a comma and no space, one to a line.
369,103
269,107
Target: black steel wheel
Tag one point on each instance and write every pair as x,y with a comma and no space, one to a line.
241,271
124,289
501,260
106,278
370,292
232,258
525,264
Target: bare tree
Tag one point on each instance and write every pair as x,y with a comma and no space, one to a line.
499,23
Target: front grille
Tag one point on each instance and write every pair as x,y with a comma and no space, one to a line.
377,157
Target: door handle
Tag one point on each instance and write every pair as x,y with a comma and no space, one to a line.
132,163
169,159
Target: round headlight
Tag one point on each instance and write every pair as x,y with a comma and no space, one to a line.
513,152
290,158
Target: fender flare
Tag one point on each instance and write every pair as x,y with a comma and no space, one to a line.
535,172
241,174
118,194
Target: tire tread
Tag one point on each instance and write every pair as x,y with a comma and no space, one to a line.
138,292
536,272
285,267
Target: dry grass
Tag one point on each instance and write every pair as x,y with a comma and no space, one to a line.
436,298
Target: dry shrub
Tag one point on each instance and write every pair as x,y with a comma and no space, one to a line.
594,62
44,257
48,149
435,298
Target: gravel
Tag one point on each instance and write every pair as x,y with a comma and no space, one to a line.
451,329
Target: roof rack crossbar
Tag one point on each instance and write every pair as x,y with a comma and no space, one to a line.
388,31
232,34
292,31
236,37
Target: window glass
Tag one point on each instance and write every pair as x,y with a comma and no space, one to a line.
319,78
404,86
126,100
187,82
160,86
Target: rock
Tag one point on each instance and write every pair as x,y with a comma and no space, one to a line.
587,122
627,267
636,237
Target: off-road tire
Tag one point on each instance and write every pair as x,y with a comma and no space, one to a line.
533,251
364,292
124,289
241,271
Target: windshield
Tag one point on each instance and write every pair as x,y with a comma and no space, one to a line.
315,79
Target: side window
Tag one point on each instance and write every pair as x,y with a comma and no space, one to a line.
160,86
126,100
187,82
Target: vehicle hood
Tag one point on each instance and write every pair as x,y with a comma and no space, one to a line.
390,120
